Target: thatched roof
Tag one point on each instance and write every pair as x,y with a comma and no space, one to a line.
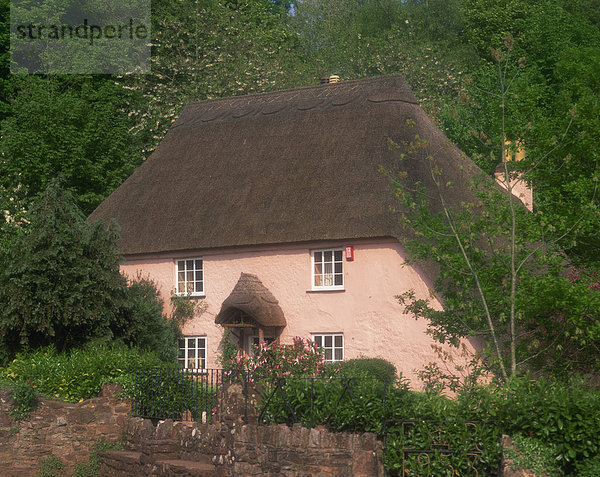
251,297
288,166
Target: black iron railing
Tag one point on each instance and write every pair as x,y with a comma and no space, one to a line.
179,394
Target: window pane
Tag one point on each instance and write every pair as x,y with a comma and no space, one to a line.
189,264
192,353
318,256
338,268
199,287
198,264
327,354
338,355
180,265
338,255
181,276
181,343
319,341
338,341
189,276
327,255
339,280
328,341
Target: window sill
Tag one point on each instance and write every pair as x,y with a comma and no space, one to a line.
326,290
195,371
185,295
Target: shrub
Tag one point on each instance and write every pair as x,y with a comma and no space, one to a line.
59,280
78,374
563,414
374,367
531,454
24,400
274,360
142,322
589,467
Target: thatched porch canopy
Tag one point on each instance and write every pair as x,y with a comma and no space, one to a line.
253,299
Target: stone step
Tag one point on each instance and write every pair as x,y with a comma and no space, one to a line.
18,471
132,464
114,463
185,468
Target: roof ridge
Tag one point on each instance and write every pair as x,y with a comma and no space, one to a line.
340,84
320,97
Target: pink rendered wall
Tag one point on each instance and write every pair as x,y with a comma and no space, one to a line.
366,312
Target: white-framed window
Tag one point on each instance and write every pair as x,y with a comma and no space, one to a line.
192,352
332,345
190,277
327,269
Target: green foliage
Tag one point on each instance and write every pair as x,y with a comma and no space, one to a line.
588,467
185,308
74,126
91,468
229,351
78,374
534,455
491,258
168,392
366,404
210,49
60,284
24,400
563,414
141,321
341,404
60,280
377,368
51,466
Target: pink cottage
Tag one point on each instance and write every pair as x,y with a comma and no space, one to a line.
273,210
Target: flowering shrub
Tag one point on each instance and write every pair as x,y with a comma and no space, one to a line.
274,360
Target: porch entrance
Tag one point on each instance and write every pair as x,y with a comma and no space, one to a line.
252,314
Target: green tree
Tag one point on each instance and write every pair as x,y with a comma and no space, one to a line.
60,280
559,43
502,276
75,126
209,49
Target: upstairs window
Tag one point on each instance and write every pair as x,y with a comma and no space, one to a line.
192,353
332,345
190,277
328,269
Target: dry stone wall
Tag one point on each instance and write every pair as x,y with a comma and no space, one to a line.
248,450
67,430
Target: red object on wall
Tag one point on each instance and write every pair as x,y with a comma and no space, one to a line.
349,252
